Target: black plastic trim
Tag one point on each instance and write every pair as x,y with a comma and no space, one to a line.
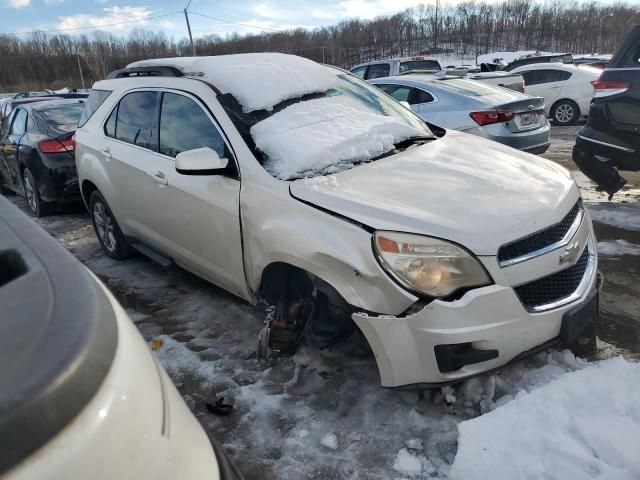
58,338
152,71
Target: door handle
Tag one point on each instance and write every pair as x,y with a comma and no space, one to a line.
159,177
106,152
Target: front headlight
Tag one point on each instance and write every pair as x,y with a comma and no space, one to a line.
428,265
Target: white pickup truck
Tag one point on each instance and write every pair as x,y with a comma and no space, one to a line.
399,66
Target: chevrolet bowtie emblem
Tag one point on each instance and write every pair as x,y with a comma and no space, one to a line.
570,254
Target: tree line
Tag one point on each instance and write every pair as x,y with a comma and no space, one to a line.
462,30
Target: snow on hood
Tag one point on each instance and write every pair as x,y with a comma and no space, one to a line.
313,135
460,187
257,80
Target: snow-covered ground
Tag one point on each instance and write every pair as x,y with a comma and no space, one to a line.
583,425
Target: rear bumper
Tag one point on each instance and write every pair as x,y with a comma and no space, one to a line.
534,141
56,179
617,154
484,320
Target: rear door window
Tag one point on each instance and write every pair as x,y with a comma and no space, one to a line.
135,119
399,92
359,71
537,77
378,70
419,65
19,125
184,126
96,98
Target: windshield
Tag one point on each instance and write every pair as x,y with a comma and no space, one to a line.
327,132
58,115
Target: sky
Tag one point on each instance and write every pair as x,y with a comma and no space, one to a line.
256,15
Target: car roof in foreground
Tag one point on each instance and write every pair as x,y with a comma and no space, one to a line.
58,336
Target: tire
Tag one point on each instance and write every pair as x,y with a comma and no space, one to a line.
565,113
38,207
111,238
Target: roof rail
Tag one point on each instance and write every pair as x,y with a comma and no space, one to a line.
155,71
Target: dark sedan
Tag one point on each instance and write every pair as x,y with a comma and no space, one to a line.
37,153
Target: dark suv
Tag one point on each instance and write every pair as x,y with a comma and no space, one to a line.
611,137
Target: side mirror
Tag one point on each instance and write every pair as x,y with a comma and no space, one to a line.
201,161
405,104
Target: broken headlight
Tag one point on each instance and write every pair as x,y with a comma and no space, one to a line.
428,265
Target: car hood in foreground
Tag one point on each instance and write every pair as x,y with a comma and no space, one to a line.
472,191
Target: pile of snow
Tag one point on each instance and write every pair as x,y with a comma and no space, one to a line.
617,215
257,80
319,134
584,424
618,247
412,464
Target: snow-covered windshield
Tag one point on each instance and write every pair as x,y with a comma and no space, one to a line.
323,133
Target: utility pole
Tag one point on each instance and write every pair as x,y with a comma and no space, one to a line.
186,17
80,70
435,30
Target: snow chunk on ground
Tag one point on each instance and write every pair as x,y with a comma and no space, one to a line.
582,425
411,464
330,441
337,132
257,80
617,215
618,247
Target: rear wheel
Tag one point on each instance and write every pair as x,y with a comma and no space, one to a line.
39,207
565,112
108,231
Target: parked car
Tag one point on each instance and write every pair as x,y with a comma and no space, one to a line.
395,66
409,65
82,395
36,153
597,61
563,58
566,89
469,106
611,138
304,187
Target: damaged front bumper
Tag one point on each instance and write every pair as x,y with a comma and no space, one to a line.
488,326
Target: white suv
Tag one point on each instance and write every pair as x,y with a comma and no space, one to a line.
282,180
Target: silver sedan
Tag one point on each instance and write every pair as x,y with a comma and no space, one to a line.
496,113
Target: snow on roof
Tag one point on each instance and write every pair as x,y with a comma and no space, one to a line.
585,424
322,134
257,80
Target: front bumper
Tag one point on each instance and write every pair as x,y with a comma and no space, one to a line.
491,318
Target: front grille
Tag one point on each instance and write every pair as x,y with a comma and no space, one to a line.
539,239
553,287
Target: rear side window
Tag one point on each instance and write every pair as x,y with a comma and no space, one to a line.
378,70
96,98
419,65
422,97
184,126
134,120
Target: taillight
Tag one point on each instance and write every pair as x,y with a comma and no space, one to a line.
58,146
605,88
491,117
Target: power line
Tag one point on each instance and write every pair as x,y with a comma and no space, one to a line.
94,27
234,23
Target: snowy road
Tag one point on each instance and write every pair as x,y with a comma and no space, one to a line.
323,414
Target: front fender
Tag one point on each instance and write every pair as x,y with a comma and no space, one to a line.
334,250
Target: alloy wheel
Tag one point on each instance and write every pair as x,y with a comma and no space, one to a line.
30,192
105,226
564,113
